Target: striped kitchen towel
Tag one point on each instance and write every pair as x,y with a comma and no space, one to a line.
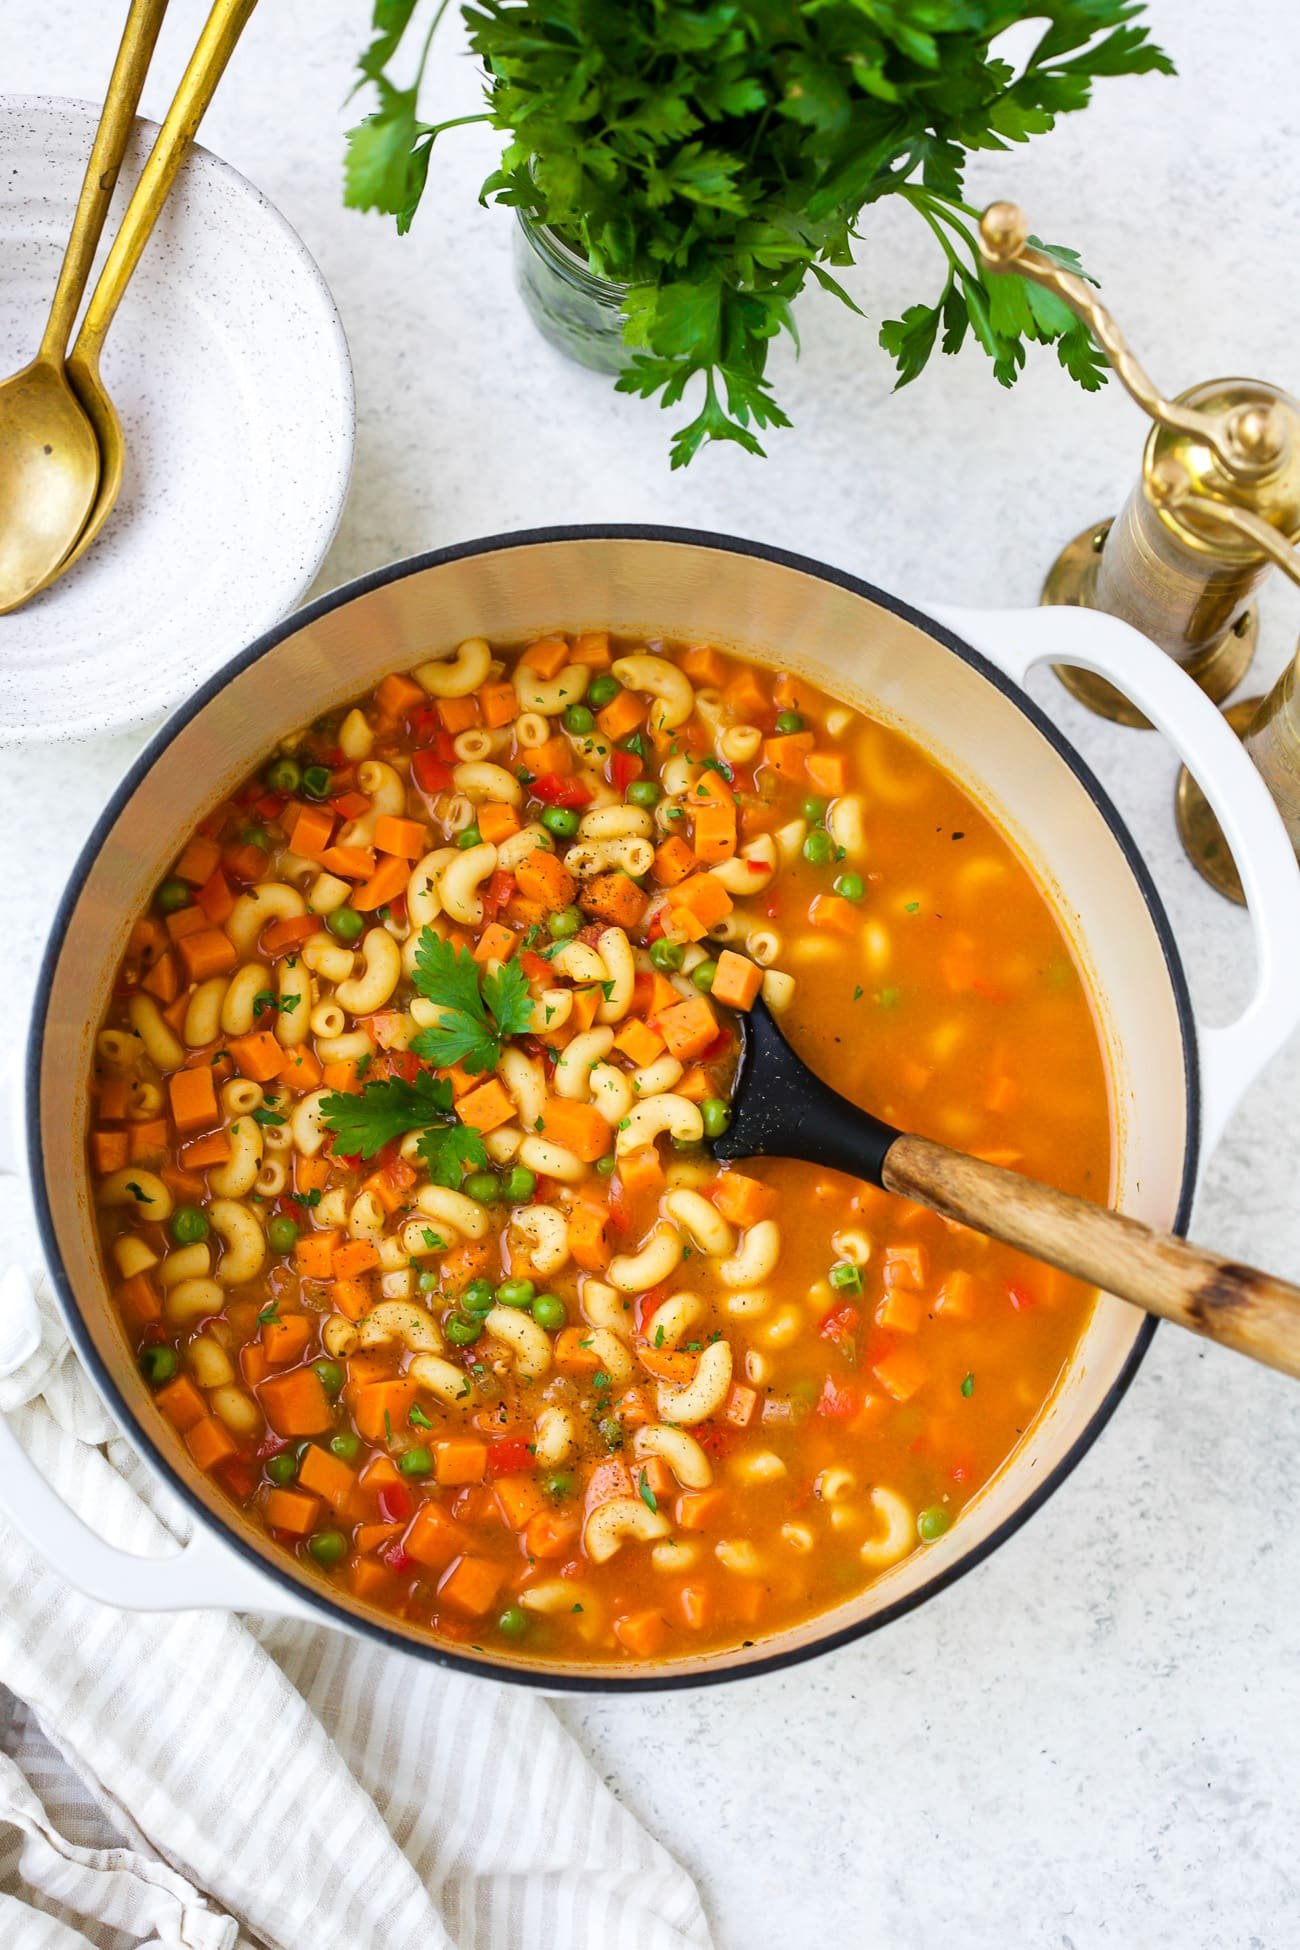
202,1782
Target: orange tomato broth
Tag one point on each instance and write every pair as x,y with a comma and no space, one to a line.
879,1374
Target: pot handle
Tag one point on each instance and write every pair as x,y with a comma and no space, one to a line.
1015,640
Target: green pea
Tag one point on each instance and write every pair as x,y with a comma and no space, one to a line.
281,1235
345,924
463,1329
172,895
284,775
932,1523
158,1365
815,810
188,1225
328,1546
282,1468
519,1185
788,722
717,1116
516,1293
427,1282
602,691
470,837
416,1462
819,847
254,836
550,1312
703,974
560,1485
482,1187
316,781
479,1297
560,820
345,1445
605,1166
565,923
513,1622
666,955
643,792
330,1376
850,886
579,720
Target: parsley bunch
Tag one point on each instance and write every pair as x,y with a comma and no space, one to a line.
713,155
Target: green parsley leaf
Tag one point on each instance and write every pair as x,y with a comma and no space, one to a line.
138,1193
645,1492
475,1018
269,1315
968,1386
417,1417
261,1115
449,1151
365,1121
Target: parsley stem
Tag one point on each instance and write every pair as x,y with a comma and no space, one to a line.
439,11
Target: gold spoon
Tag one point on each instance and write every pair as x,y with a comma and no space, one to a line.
198,84
49,458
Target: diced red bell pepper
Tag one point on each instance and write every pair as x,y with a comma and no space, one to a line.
1022,1299
508,1455
623,768
397,1560
396,1503
552,790
239,1476
534,965
351,805
501,888
431,773
404,1063
244,863
839,1400
838,1325
717,1439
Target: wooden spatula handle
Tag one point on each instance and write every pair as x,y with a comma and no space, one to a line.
1235,1305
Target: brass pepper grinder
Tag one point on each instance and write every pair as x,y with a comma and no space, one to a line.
1174,563
1217,506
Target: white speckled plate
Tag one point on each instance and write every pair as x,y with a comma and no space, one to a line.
229,368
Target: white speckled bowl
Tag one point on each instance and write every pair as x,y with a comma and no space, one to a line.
228,365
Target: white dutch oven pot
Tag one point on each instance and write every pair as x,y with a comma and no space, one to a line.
1175,1082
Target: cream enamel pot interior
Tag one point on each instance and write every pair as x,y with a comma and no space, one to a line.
1174,1081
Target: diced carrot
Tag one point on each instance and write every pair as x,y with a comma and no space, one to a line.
834,914
788,753
253,1364
495,943
519,1497
292,1511
740,1405
163,979
673,862
433,1538
199,861
404,837
257,1055
695,1086
587,1241
210,1442
370,1579
541,877
956,1296
341,1077
688,1028
295,1403
697,1509
459,1459
488,1107
900,1373
744,1201
737,981
826,770
351,1299
354,1257
181,1402
209,952
654,1475
186,920
283,937
149,1141
705,667
549,1533
326,1475
634,1408
790,693
397,695
310,1174
285,1339
457,713
704,896
193,1099
460,1080
666,1363
578,1127
641,1170
570,1354
555,755
204,1153
137,1298
710,788
695,1604
497,822
373,1536
902,1309
216,899
300,1069
385,1189
713,836
385,884
313,1255
639,1042
586,1007
380,1399
591,649
381,1472
608,1479
109,1150
175,1013
499,704
614,897
907,1266
111,1098
349,862
471,1586
745,695
547,656
308,829
622,716
642,1633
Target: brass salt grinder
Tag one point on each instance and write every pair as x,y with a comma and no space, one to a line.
1216,507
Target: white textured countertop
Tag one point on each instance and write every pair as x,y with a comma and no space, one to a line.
1092,1740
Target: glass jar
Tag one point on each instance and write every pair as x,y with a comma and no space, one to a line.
579,313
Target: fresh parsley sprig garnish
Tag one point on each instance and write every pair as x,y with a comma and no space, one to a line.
478,1011
364,1121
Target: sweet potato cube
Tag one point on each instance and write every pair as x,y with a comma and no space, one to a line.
688,1029
471,1586
193,1099
433,1538
737,981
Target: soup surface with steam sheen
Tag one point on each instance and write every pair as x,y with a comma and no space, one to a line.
399,1136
